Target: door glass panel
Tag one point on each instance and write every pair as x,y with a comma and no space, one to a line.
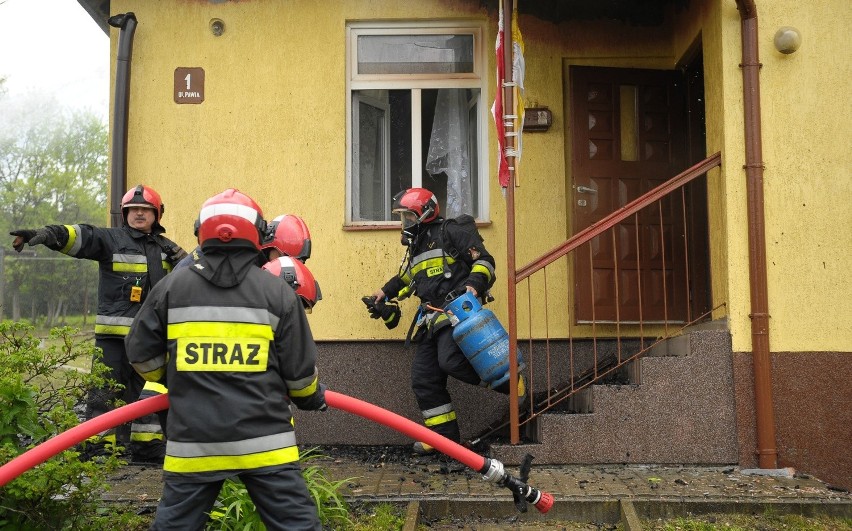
629,137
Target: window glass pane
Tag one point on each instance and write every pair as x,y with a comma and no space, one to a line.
448,132
381,151
415,54
368,160
472,135
400,142
423,132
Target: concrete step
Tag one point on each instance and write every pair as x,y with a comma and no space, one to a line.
683,411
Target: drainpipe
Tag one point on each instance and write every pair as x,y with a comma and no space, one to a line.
118,177
765,417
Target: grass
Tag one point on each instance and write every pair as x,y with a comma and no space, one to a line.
380,517
749,522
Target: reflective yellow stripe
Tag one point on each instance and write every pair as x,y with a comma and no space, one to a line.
441,419
308,390
156,387
154,376
214,329
150,365
145,437
130,268
115,330
167,266
433,266
481,269
72,239
231,462
404,292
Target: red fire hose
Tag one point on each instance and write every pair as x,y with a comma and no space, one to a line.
491,469
41,453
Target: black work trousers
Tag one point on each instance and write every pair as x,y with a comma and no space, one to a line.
281,498
101,400
436,358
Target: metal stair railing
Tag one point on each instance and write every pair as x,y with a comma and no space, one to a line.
566,375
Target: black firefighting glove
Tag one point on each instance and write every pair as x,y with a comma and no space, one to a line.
370,303
51,236
387,311
391,314
22,236
317,401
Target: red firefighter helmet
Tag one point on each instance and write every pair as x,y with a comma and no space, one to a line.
229,216
290,236
143,196
419,201
299,277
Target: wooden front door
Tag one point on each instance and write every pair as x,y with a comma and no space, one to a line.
627,138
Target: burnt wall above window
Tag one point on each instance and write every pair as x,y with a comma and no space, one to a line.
634,12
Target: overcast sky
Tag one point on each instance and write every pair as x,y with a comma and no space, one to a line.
53,49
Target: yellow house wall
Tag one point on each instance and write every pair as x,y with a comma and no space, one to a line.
274,117
273,124
807,181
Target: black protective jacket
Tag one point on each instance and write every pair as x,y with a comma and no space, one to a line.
232,344
127,259
443,262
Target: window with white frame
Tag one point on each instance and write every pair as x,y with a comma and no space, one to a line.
416,118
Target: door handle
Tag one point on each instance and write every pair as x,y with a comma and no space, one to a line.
586,190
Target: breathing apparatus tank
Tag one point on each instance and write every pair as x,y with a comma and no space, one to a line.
482,339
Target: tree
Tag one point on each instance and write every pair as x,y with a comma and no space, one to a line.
53,170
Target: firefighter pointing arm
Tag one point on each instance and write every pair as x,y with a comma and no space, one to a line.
132,259
444,259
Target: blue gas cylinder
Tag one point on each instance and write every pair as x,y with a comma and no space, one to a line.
482,339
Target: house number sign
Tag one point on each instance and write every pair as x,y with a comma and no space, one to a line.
189,85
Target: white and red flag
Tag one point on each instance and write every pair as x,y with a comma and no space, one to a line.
514,118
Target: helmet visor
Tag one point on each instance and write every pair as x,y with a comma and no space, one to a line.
408,218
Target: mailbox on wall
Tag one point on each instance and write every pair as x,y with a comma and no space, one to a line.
537,119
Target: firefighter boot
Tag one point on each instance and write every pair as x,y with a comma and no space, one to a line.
523,398
421,448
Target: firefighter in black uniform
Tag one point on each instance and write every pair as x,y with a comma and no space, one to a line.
444,259
132,259
232,344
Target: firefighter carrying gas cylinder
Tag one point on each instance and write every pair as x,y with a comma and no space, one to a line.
132,259
443,260
233,345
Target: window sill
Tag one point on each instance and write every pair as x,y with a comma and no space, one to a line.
394,227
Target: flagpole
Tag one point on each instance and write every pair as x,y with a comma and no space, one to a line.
509,150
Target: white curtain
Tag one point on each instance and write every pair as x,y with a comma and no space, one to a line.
448,150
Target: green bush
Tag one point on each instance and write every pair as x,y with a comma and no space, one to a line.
234,509
37,399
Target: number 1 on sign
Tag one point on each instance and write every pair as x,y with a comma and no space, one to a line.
187,79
